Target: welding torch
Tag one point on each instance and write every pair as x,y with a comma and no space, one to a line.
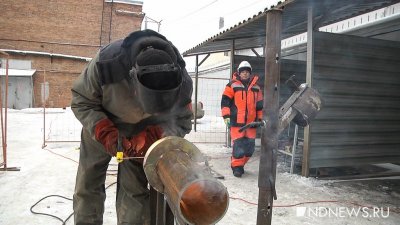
120,152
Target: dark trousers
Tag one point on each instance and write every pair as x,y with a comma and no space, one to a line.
242,150
132,203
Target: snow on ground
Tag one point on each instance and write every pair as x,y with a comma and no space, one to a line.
52,170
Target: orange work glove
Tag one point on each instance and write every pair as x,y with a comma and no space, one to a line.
142,141
136,143
107,134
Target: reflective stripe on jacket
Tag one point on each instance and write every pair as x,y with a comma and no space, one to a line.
242,104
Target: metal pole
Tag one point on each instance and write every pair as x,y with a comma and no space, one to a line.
44,110
294,147
5,116
229,142
160,219
2,125
196,86
269,135
111,15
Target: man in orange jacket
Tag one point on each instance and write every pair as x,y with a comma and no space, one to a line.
241,104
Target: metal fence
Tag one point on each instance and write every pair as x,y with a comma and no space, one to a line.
60,125
210,128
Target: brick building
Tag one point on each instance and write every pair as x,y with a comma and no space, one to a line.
50,42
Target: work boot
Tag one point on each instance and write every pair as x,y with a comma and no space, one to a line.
238,171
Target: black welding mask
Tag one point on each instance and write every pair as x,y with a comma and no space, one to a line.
157,80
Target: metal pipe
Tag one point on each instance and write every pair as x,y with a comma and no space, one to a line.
172,166
201,199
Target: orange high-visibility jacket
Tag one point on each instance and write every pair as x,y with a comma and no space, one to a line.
242,104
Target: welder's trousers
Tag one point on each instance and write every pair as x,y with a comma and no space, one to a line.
242,150
132,201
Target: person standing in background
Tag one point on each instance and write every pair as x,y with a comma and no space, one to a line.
241,104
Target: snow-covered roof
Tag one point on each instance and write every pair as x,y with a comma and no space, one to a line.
251,33
46,54
17,72
132,2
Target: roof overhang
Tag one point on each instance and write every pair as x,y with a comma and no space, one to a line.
251,33
17,72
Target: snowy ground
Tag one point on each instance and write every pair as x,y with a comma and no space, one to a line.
51,171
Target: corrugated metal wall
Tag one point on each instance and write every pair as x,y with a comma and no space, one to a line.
359,80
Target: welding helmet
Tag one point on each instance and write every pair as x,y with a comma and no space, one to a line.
157,80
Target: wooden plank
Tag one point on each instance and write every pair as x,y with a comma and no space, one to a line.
356,46
342,151
357,89
359,101
328,126
352,161
361,176
362,63
358,114
355,75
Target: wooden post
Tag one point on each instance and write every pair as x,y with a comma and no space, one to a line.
305,168
269,134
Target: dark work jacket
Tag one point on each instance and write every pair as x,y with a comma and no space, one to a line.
105,89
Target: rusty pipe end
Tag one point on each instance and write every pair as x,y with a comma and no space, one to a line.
204,202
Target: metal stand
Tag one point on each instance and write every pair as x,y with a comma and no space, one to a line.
160,211
10,169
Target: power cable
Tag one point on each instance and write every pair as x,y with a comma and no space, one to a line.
47,214
53,216
60,196
195,11
214,18
313,202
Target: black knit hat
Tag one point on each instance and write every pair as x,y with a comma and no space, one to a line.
156,70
